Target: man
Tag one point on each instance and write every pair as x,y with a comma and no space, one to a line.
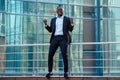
59,27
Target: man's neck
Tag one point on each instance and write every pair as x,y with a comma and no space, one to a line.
60,16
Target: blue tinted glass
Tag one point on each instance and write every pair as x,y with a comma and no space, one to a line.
2,5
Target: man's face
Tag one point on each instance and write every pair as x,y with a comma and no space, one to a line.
59,11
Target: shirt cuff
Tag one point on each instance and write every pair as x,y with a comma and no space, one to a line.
72,24
45,25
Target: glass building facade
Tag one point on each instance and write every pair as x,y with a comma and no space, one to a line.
26,40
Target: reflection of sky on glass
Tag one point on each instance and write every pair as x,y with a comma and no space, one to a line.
114,2
115,13
54,1
12,21
15,20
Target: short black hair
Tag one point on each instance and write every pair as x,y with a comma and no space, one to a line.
59,6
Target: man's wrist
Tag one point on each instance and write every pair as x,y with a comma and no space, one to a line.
45,25
72,24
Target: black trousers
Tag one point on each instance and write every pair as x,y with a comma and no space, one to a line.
58,41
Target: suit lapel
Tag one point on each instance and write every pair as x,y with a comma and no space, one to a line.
64,22
54,23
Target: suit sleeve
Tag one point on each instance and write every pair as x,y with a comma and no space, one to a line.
49,28
70,26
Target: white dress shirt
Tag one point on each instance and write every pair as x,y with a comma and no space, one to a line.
59,26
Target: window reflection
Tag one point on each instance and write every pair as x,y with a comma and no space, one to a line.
80,2
111,2
54,1
111,32
29,7
2,5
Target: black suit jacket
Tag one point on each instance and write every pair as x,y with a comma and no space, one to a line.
66,28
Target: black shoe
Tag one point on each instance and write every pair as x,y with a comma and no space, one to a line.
65,75
49,75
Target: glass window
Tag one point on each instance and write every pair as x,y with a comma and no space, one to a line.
111,2
80,2
111,33
2,5
76,11
111,12
2,24
29,25
114,12
29,7
77,33
76,1
54,1
49,9
14,6
105,2
89,2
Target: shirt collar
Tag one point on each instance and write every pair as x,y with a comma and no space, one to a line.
60,17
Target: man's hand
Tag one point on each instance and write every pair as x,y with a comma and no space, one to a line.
45,21
71,20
